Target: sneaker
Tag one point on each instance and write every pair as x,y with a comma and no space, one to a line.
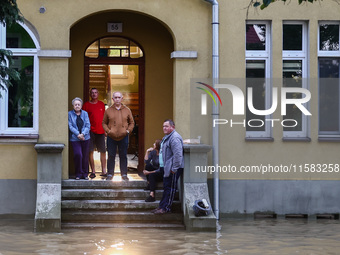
86,178
150,199
77,178
109,177
125,178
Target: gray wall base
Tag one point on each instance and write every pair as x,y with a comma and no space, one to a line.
194,187
17,197
47,225
193,192
279,196
48,205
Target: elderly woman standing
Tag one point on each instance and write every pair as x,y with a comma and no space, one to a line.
79,125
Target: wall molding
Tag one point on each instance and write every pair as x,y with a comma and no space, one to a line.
54,53
184,54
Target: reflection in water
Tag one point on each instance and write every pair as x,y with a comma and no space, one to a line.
233,237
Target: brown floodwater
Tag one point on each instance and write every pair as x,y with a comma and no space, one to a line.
234,236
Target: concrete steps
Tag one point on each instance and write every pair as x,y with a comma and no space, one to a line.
125,205
100,203
122,225
107,194
119,216
102,184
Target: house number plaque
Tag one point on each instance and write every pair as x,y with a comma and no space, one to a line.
114,27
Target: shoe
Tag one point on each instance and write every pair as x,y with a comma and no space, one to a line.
125,178
156,209
77,178
147,187
150,199
92,175
104,175
109,177
160,211
86,178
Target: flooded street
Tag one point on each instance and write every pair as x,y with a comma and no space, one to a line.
280,236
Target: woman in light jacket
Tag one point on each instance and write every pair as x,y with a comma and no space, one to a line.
79,125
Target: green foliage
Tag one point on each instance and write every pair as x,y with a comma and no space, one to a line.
6,73
9,14
266,3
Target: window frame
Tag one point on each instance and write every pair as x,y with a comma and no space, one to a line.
327,55
304,57
6,131
328,134
324,53
264,55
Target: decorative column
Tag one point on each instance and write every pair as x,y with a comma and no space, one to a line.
48,206
195,187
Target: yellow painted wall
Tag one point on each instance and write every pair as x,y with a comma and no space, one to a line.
188,23
234,149
158,26
18,161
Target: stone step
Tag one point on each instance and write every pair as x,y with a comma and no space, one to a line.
102,184
121,225
118,205
105,204
120,217
122,194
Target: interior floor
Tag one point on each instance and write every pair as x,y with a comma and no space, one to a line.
132,169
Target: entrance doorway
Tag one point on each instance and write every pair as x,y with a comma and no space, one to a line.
117,64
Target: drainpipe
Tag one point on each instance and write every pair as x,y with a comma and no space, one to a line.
215,108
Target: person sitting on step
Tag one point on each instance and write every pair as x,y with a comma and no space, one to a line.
151,160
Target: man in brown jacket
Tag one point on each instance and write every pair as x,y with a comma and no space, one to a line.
118,124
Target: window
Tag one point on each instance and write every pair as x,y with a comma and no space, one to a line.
328,39
19,103
258,78
329,86
294,74
114,47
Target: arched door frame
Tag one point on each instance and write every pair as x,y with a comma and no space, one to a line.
141,70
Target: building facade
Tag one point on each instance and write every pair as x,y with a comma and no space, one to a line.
153,51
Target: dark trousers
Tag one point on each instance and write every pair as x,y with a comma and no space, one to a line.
169,186
81,157
150,168
154,178
122,150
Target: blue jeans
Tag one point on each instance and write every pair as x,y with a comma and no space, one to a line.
122,150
